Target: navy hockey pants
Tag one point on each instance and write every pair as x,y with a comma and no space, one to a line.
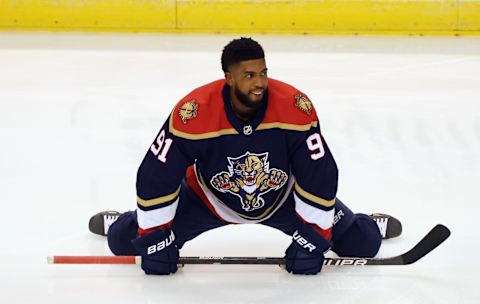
353,235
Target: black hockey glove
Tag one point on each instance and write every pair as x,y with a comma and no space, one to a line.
159,252
305,253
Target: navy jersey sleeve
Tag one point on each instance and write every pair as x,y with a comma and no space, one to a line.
158,179
316,177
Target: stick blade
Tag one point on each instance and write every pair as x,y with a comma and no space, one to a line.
432,240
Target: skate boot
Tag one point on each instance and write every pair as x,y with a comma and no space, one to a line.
389,226
100,222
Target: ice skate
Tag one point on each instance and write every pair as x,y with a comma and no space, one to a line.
389,226
100,222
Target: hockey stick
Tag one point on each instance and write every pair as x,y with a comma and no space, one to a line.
435,237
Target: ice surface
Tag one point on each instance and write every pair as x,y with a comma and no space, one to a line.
78,112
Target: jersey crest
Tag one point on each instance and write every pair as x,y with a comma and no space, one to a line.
249,176
188,110
303,103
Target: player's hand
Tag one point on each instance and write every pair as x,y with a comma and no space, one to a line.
305,253
159,252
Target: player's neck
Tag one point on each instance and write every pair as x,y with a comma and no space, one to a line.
241,111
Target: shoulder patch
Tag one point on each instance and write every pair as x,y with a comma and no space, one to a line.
303,103
201,114
188,110
288,108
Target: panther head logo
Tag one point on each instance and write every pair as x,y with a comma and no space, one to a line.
249,168
249,177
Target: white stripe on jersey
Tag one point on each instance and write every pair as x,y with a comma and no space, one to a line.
312,215
156,217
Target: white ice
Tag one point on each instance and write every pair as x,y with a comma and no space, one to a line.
78,112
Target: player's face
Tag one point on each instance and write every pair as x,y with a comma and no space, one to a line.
249,81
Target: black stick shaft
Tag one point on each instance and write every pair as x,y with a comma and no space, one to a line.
267,261
433,239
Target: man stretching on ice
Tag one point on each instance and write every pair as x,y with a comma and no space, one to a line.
243,149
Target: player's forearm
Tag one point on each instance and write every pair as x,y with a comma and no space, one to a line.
157,213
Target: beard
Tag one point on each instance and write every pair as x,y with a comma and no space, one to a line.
246,100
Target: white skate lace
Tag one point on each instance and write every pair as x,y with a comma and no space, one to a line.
108,220
382,224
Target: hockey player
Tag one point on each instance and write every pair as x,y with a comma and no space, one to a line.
244,149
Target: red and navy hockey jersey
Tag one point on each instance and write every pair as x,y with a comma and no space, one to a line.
243,171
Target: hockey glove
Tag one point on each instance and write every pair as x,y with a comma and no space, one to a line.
305,253
159,252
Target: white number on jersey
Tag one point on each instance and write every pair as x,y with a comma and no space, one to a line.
161,146
314,143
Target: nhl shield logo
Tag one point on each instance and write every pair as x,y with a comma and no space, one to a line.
247,130
249,177
303,103
188,111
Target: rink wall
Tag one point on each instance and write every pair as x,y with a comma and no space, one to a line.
437,17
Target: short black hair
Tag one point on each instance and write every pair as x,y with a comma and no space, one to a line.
240,50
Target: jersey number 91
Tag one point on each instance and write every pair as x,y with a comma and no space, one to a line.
161,146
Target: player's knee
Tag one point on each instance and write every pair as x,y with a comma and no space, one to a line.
361,239
121,233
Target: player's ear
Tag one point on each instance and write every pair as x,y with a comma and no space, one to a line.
229,78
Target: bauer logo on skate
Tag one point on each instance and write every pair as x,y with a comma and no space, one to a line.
161,245
249,177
